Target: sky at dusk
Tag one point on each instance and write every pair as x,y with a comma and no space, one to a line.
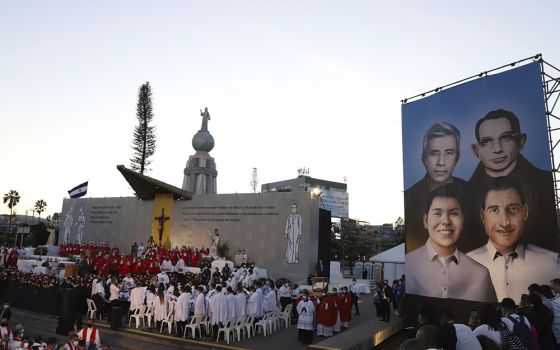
288,84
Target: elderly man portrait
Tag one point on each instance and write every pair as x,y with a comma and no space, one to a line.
499,142
440,155
513,264
438,269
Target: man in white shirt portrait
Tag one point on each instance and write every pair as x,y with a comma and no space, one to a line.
438,269
513,265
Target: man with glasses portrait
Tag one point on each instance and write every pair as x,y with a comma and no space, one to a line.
499,145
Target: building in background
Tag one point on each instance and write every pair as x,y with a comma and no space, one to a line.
333,194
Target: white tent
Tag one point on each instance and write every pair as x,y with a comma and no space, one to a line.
393,255
392,262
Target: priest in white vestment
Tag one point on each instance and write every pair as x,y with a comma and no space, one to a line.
182,308
253,303
137,297
180,266
200,303
230,297
269,303
218,307
240,303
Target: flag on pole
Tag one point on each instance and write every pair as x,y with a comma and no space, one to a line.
78,191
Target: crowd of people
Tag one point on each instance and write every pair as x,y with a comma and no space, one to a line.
534,324
160,280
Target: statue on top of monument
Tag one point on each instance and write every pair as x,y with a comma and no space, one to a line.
205,118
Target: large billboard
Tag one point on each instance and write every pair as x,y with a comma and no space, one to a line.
480,214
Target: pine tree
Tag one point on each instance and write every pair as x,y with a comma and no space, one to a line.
144,138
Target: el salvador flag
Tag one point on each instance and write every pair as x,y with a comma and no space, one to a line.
78,191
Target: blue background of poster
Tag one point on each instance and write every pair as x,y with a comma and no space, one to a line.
518,90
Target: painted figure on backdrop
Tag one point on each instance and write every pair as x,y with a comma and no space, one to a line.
440,155
81,223
513,264
68,221
438,269
499,142
292,234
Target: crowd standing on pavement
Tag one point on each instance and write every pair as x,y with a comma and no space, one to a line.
534,324
161,282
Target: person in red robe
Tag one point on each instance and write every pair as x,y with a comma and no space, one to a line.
12,258
345,305
138,267
103,266
153,267
174,256
324,316
195,258
124,266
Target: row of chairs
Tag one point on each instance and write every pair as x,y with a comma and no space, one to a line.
244,325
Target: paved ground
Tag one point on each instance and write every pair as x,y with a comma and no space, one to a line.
35,323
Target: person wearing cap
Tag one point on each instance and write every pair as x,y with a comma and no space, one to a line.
513,264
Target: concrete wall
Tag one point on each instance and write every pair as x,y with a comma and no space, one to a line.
121,221
254,222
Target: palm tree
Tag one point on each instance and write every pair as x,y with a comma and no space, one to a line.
40,206
12,198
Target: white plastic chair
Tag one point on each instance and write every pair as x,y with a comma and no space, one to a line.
263,323
138,316
227,330
205,322
286,315
249,326
168,321
239,327
91,308
149,315
193,326
273,320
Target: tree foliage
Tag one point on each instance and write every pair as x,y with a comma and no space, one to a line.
40,207
144,138
12,198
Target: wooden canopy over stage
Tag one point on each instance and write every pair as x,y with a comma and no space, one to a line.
146,187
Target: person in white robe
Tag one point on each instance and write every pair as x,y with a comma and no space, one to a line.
180,266
252,303
182,308
218,307
162,278
150,297
136,298
269,303
240,303
260,309
160,307
128,282
200,303
166,265
230,298
305,310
